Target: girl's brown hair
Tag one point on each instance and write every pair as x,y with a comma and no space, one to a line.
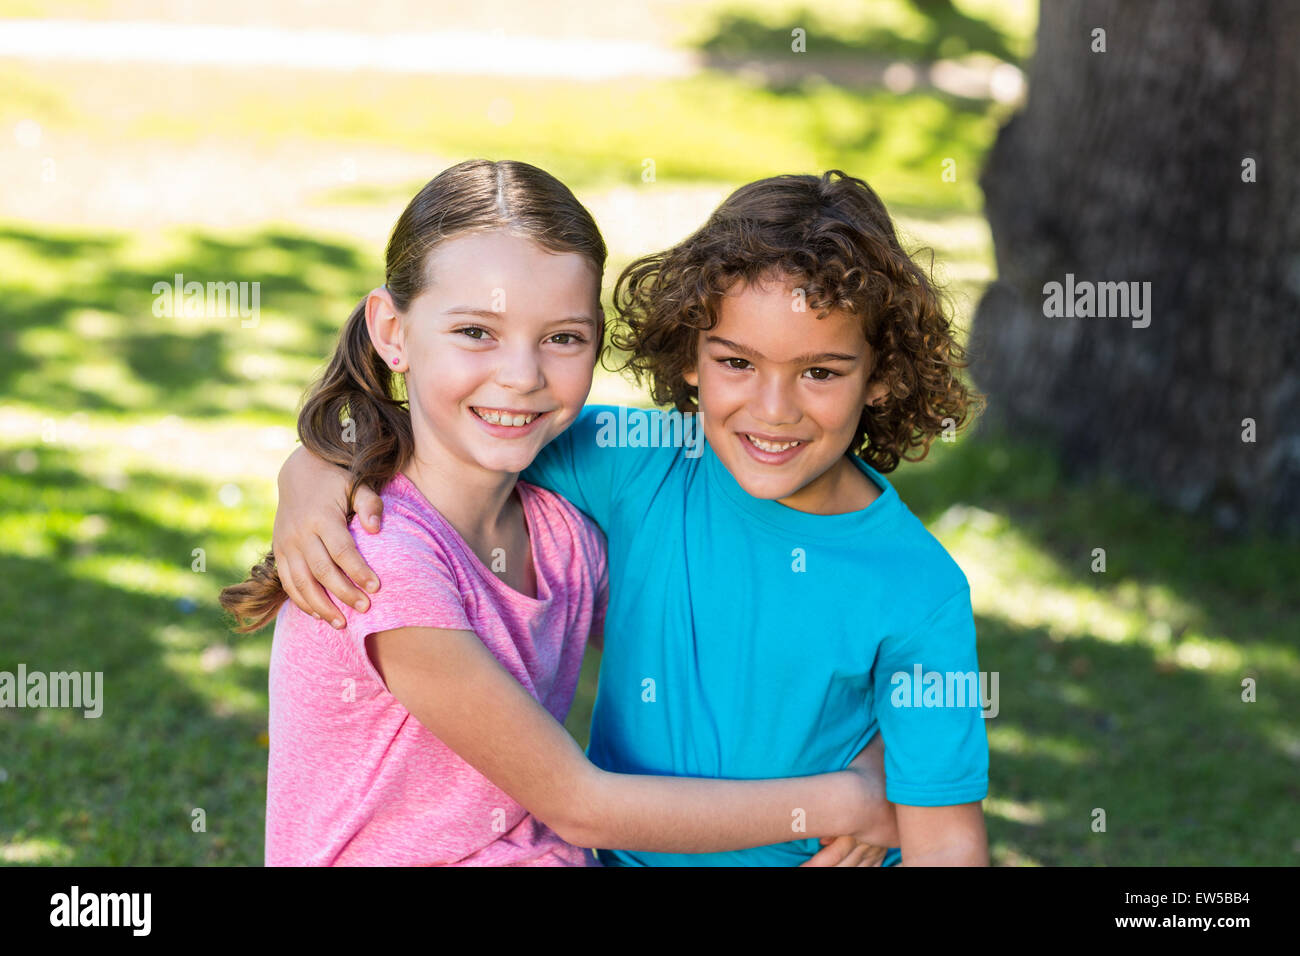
357,415
832,237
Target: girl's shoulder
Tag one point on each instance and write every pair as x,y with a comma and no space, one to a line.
562,525
412,535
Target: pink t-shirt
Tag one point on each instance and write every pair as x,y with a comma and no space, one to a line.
352,777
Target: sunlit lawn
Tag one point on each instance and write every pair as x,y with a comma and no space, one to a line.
136,449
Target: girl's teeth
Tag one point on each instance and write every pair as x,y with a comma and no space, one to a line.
770,446
493,417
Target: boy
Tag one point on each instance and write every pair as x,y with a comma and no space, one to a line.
771,597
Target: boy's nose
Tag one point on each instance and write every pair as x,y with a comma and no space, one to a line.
775,404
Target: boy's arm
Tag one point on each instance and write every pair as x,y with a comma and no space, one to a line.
943,836
314,551
457,690
937,756
311,541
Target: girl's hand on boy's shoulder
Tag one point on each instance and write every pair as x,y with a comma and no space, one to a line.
311,541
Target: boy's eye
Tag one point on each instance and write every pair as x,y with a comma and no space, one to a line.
732,363
826,374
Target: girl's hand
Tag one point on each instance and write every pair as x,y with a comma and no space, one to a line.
846,851
879,830
311,541
879,821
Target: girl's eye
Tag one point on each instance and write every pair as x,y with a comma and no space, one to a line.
572,337
731,363
826,376
473,329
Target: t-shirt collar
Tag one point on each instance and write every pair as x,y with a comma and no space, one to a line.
771,512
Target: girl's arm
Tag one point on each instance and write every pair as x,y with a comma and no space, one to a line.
460,693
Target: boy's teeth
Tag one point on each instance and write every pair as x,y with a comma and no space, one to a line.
770,445
494,417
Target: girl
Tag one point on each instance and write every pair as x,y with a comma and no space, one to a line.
446,383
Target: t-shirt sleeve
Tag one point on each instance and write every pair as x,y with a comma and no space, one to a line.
417,584
927,691
602,601
584,464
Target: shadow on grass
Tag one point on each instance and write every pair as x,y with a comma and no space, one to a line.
806,44
80,332
1185,770
176,734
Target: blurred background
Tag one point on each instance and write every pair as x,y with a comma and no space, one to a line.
275,142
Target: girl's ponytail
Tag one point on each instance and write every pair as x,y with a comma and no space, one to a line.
352,418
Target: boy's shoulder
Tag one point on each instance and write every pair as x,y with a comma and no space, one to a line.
927,552
639,436
923,574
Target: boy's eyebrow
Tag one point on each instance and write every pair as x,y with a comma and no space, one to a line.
806,358
489,314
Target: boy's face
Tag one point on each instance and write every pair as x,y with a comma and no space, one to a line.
781,395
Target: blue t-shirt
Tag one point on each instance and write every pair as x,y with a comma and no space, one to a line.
748,640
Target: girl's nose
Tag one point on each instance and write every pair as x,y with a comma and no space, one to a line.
520,369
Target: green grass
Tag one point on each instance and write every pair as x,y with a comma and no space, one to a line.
128,440
1121,690
712,128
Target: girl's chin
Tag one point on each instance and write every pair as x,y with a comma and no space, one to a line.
512,461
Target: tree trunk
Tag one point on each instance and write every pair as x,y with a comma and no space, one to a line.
1126,166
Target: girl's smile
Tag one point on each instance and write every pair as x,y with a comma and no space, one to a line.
507,422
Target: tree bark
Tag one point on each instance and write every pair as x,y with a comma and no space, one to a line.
1127,166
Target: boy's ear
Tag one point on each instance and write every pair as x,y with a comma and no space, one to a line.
691,378
877,394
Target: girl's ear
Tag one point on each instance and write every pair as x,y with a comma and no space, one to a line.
385,327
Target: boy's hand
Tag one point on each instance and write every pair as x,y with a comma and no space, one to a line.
866,847
311,542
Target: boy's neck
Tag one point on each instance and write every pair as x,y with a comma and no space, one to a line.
841,489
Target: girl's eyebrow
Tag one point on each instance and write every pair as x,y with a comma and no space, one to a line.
489,314
806,358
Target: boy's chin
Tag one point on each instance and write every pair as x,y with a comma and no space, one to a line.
768,488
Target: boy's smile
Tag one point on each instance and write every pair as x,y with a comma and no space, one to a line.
781,396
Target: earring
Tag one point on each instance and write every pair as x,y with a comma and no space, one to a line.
396,360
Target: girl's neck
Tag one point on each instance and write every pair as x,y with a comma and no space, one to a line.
476,503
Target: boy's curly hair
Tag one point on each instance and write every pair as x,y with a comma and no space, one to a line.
832,237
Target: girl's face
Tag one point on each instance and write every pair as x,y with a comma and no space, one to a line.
781,395
499,350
